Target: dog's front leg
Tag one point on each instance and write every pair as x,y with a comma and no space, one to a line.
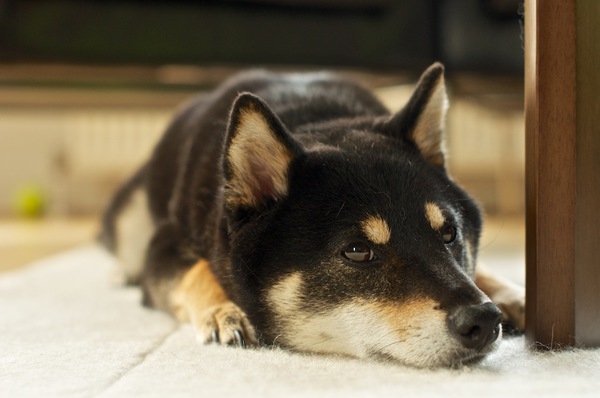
508,296
200,299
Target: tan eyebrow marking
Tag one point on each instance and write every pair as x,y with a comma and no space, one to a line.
434,215
377,230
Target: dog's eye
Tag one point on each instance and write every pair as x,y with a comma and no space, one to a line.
448,233
358,252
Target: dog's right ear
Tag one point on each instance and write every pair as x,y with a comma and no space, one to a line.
422,120
258,154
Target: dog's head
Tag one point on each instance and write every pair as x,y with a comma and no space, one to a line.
356,241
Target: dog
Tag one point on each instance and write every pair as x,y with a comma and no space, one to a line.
295,210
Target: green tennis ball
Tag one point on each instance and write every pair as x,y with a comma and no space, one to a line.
30,201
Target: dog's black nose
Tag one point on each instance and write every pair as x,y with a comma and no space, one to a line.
476,326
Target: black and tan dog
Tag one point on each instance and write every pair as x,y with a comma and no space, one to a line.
295,210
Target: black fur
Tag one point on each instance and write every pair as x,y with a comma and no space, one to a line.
349,159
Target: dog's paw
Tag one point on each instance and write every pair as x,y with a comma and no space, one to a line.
511,302
225,324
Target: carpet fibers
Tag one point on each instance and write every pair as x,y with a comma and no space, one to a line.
65,331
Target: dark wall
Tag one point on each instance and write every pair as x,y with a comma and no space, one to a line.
377,34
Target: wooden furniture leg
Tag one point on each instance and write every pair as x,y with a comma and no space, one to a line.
562,91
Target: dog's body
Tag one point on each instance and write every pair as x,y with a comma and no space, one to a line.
305,215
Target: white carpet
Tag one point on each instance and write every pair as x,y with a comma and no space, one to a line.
65,331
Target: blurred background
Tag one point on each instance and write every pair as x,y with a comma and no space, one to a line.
87,87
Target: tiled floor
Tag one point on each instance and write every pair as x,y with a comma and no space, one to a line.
23,241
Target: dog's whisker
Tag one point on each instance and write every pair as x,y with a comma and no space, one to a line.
385,336
320,342
389,345
340,210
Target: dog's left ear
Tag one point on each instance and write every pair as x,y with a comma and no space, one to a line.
422,119
258,154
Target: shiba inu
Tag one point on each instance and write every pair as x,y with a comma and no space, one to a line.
295,210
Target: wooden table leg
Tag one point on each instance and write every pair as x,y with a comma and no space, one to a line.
562,172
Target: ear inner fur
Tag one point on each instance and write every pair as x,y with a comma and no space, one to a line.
258,156
422,119
428,132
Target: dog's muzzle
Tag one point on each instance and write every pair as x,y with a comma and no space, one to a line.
476,326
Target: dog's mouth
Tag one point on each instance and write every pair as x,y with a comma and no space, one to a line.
445,351
473,358
455,361
458,359
415,333
469,360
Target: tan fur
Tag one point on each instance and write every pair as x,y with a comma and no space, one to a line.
409,310
200,299
434,215
508,296
133,230
285,294
256,146
377,230
413,332
427,133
